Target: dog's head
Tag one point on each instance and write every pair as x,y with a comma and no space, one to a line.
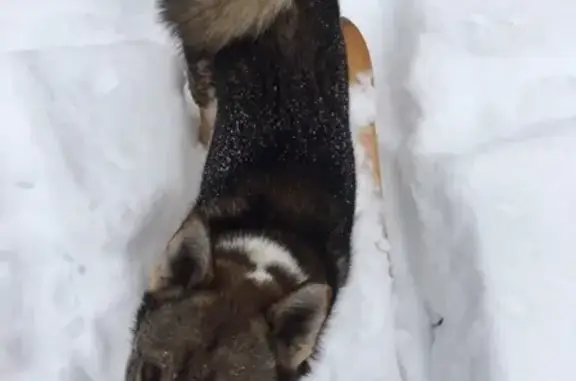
205,319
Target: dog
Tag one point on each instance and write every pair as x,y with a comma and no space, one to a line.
248,282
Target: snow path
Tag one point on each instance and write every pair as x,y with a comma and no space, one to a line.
95,171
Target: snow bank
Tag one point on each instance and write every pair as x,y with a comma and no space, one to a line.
97,164
477,129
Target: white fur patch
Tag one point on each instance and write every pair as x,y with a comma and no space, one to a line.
264,253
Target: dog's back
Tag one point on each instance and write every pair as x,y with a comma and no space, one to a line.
282,130
283,104
253,273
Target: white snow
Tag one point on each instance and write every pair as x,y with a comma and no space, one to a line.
97,165
477,131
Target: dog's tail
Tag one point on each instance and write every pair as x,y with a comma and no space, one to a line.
209,25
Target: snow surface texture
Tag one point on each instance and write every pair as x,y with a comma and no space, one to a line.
98,165
477,131
96,170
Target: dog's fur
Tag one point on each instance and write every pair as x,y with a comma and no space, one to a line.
205,26
249,280
209,25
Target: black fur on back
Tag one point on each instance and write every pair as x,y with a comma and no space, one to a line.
282,139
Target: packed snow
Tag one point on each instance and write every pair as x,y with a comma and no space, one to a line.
477,132
470,279
97,167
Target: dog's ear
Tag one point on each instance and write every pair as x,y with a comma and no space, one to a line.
296,322
187,261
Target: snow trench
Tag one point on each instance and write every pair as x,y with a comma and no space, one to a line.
472,277
476,128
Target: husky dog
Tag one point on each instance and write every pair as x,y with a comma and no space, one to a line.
248,282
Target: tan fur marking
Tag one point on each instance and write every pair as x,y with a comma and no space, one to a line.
207,120
211,24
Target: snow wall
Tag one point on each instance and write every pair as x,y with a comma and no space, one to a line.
477,131
97,167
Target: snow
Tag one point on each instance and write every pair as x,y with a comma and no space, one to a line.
476,128
97,166
472,279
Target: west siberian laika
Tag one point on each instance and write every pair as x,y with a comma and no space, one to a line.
249,280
